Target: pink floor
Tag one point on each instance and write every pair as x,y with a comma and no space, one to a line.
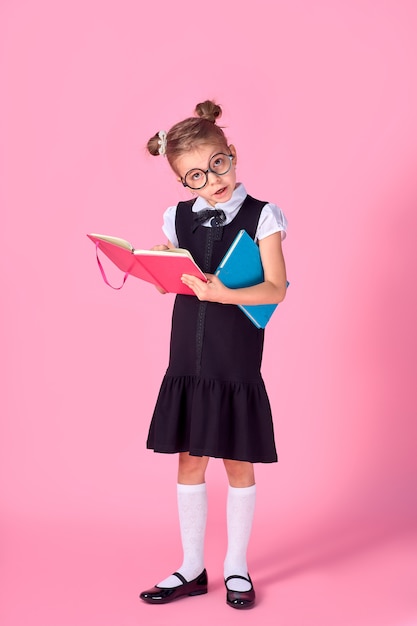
63,574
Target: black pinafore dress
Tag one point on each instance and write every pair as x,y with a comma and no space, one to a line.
212,400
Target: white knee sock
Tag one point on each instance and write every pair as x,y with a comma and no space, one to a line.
240,511
192,509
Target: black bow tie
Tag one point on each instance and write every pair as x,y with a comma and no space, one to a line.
202,216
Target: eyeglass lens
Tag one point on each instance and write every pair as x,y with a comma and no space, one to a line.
219,164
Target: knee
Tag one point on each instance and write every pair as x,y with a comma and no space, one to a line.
239,473
191,469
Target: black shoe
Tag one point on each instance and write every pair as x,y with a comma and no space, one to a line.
162,595
240,599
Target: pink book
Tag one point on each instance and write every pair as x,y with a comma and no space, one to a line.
162,268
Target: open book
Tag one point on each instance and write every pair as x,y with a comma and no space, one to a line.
162,268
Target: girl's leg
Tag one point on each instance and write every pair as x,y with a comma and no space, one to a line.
192,469
192,509
240,510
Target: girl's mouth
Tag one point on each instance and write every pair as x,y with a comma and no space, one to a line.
220,191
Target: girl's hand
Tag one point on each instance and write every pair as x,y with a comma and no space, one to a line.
211,291
160,247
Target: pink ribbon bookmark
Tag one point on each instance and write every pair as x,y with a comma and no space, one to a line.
103,273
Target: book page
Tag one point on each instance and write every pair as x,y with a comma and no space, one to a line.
117,241
169,252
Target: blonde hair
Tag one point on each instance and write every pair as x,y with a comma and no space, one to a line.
191,132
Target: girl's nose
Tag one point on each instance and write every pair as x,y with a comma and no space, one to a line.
215,176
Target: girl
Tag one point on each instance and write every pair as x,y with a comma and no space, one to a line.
212,401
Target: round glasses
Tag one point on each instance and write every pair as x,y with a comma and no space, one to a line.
219,164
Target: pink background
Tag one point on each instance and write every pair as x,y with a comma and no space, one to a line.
320,99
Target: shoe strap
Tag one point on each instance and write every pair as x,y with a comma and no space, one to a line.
181,578
248,580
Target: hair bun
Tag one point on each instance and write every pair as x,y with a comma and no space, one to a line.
153,145
208,110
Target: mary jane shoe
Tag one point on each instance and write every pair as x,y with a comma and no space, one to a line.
240,599
162,595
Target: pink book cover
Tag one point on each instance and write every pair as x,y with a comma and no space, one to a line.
161,268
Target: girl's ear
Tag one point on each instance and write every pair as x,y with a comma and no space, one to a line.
233,153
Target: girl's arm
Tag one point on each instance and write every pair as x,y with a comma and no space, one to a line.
271,291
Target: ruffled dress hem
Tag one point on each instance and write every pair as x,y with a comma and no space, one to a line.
215,418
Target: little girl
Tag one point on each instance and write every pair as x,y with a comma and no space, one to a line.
212,401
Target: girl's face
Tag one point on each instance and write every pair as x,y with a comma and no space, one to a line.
219,187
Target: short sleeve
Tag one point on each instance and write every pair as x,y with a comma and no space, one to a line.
272,220
168,227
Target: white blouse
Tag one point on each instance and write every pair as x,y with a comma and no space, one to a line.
272,219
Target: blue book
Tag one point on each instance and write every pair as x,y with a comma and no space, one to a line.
242,267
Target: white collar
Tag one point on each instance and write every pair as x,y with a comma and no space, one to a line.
235,202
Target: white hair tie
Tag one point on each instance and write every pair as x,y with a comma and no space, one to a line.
162,142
